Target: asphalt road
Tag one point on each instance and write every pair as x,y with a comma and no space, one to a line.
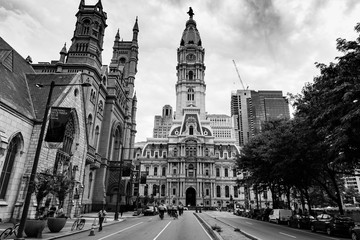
186,227
270,231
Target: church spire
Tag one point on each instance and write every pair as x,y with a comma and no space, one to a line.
135,30
82,4
63,53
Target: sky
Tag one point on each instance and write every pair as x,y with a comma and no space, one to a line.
274,43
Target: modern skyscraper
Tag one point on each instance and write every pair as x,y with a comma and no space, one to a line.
251,109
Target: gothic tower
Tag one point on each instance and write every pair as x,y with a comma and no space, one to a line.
87,41
190,86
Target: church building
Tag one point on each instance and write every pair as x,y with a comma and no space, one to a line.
100,131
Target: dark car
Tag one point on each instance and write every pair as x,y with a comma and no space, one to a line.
332,224
355,233
150,210
301,221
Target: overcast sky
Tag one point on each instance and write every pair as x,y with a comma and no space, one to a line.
274,43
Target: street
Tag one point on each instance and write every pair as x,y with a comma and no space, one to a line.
269,231
151,227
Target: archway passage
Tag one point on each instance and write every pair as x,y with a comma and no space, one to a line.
190,197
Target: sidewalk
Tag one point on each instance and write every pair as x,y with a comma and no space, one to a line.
66,231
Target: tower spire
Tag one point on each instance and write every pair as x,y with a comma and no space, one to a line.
135,30
82,4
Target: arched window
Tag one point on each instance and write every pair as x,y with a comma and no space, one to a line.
116,145
227,194
191,130
191,75
218,191
85,27
89,122
12,150
90,183
190,96
96,140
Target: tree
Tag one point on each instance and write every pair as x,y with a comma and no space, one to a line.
62,184
332,108
43,186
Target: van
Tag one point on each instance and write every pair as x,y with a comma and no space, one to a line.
280,215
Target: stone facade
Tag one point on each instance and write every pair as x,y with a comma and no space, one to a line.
101,129
191,165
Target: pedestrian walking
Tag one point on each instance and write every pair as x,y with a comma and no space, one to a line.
102,214
121,210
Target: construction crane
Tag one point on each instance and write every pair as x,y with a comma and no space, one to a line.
239,76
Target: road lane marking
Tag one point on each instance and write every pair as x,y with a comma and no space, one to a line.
204,229
120,231
249,223
287,235
162,230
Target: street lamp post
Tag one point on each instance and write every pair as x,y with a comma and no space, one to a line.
31,184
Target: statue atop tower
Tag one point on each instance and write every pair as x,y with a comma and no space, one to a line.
191,12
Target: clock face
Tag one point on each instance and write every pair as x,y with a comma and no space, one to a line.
190,57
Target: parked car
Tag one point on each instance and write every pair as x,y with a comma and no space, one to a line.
332,224
355,233
280,215
300,221
150,210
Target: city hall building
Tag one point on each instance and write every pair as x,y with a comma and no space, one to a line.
191,157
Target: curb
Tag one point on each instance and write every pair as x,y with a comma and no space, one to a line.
208,228
241,231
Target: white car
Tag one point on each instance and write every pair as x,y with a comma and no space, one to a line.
280,215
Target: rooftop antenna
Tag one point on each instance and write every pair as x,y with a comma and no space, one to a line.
239,76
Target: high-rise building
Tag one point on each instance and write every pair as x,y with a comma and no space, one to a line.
162,124
251,109
195,163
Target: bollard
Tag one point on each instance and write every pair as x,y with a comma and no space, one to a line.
94,223
92,231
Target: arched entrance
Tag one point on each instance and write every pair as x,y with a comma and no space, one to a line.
190,197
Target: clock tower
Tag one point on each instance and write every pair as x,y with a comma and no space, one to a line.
190,86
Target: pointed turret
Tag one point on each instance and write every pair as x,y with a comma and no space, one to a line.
99,5
82,4
63,53
135,30
117,37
